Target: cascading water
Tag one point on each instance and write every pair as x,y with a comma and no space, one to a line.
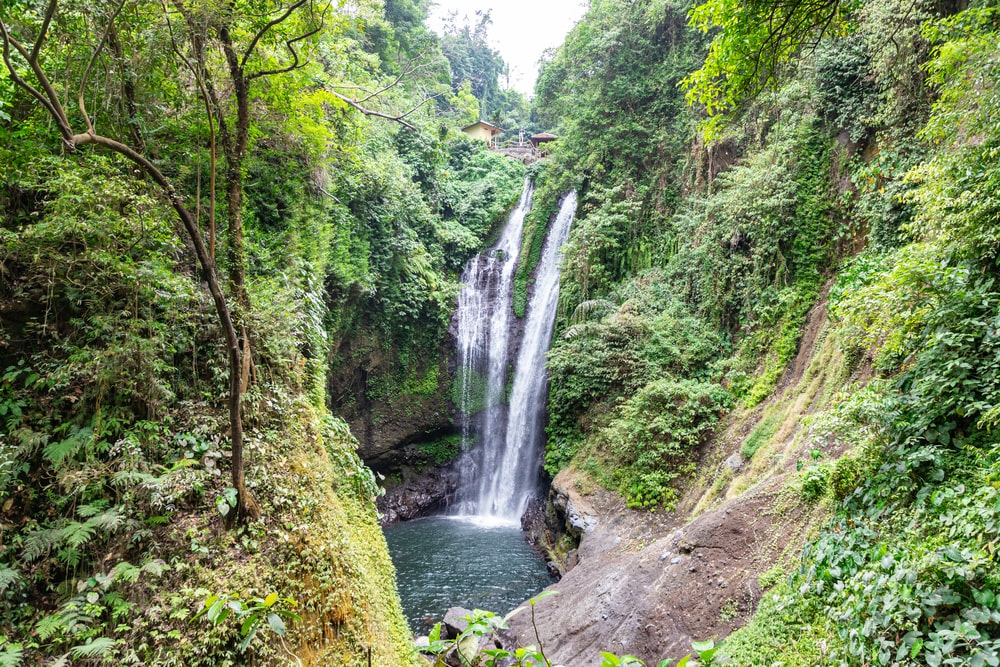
500,469
484,318
478,557
505,489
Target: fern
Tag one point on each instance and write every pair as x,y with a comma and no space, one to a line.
28,440
59,451
40,542
10,653
77,534
125,571
69,556
155,567
50,626
93,649
93,508
9,578
129,478
110,520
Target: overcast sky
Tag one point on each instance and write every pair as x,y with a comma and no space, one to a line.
520,41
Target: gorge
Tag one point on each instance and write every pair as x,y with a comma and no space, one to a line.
276,302
500,465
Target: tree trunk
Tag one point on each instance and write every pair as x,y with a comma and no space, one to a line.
236,252
246,506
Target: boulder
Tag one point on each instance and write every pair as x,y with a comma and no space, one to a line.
735,462
455,622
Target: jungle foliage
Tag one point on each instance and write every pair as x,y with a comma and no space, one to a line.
686,262
847,158
337,201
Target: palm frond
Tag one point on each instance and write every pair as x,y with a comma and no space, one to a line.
578,330
594,309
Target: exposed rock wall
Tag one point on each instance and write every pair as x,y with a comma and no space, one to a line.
649,583
386,425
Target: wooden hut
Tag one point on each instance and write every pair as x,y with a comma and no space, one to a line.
542,138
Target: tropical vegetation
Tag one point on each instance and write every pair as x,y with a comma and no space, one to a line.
224,223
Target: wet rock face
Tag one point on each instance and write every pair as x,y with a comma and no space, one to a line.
412,493
554,528
648,584
386,425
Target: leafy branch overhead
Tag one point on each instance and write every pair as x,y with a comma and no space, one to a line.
752,42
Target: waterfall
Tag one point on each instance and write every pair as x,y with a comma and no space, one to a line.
484,322
500,469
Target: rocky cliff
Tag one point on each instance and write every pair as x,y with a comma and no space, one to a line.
649,583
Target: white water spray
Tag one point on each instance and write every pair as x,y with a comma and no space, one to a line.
500,471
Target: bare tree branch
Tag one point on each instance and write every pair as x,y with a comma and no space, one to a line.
199,77
50,11
422,103
406,71
15,77
51,104
263,31
371,112
295,63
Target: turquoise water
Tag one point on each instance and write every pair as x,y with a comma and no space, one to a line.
449,561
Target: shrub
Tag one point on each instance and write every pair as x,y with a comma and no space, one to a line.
653,434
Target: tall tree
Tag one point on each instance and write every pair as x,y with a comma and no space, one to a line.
43,92
474,60
241,31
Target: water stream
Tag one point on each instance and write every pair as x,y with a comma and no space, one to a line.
506,486
477,556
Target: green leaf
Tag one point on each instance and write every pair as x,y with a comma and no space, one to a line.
250,623
276,623
214,611
247,639
701,647
541,596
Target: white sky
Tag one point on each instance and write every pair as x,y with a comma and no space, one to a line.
521,30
